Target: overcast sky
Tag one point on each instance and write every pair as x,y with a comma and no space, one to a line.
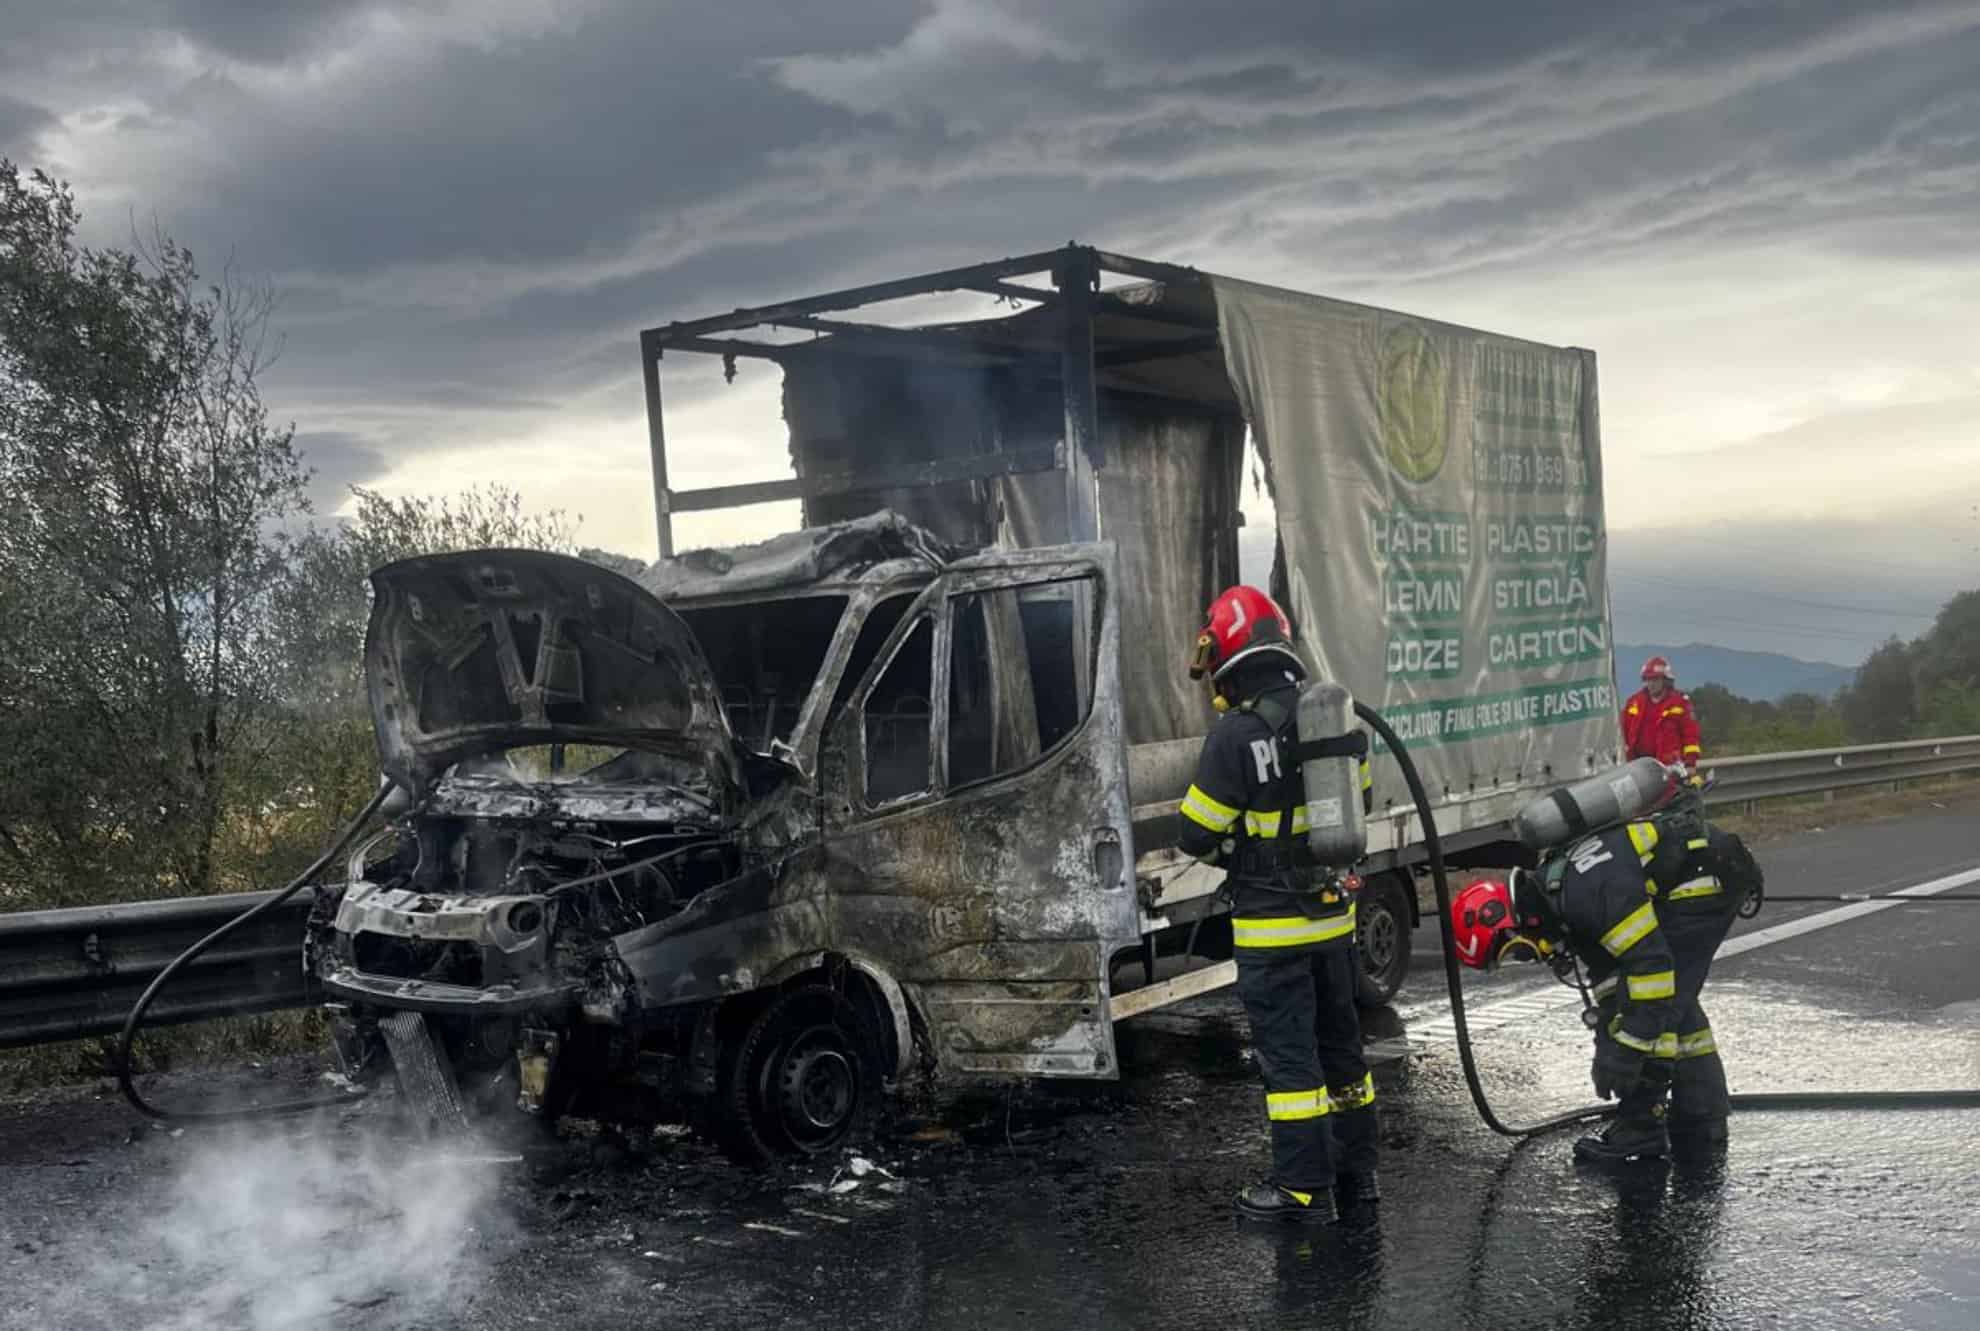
1761,216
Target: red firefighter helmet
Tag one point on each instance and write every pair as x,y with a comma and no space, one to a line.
1243,622
1485,926
1658,668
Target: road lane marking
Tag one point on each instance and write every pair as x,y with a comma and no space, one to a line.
1808,924
1510,1011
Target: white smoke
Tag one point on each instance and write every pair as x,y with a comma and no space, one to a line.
275,1228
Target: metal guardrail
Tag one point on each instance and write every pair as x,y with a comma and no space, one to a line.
1818,771
66,974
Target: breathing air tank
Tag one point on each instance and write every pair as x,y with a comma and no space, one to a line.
1330,753
1610,797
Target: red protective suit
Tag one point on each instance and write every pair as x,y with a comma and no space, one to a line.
1664,728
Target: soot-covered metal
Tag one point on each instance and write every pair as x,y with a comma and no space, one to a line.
887,839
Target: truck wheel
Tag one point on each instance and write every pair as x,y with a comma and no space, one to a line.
803,1078
1382,927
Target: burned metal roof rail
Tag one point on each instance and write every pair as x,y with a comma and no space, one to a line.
1076,298
939,340
952,279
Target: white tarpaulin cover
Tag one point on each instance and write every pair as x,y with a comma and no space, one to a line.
1439,495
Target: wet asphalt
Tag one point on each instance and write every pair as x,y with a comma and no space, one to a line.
1109,1206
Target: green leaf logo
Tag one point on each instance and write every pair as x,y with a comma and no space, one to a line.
1412,401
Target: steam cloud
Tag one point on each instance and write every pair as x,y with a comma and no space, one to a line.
276,1228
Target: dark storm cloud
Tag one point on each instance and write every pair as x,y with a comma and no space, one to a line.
264,31
337,461
473,206
18,121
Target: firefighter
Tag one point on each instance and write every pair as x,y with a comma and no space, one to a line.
1292,924
1659,722
1635,915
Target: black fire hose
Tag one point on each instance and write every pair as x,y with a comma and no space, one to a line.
1434,845
136,1016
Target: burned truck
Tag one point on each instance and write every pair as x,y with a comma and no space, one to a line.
770,827
597,896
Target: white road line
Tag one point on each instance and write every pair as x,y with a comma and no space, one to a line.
1505,1012
1808,924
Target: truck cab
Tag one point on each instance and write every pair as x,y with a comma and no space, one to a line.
905,851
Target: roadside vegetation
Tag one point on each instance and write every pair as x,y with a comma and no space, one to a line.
1905,690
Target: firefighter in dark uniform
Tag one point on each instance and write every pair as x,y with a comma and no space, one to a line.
1637,912
1292,925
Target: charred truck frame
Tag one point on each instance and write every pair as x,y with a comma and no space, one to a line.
764,829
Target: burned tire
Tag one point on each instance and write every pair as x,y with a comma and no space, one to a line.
1382,928
803,1078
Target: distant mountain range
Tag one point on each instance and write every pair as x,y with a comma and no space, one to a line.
1763,676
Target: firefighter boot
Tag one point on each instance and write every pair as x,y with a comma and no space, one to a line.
1698,1136
1627,1137
1699,1104
1356,1195
1270,1202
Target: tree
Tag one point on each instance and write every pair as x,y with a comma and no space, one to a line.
144,489
318,618
1949,653
1881,703
1950,709
322,610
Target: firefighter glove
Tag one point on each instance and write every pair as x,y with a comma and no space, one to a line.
1617,1070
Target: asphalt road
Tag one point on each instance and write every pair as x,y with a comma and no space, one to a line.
1109,1206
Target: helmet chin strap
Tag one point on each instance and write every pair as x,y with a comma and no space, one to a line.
1515,944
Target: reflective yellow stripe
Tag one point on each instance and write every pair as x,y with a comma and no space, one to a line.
1697,843
1644,837
1655,985
1632,712
1354,1097
1668,711
1664,1046
1649,886
1638,925
1607,987
1303,1198
1367,775
1707,886
1267,824
1697,1044
1628,1041
1291,930
1292,1106
1204,811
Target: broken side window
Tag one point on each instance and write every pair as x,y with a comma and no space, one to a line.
873,635
1017,686
765,657
1061,631
897,720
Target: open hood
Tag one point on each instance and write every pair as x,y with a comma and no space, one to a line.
483,650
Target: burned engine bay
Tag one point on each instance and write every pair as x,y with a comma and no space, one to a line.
491,909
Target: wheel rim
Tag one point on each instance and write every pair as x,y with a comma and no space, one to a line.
1379,940
817,1089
